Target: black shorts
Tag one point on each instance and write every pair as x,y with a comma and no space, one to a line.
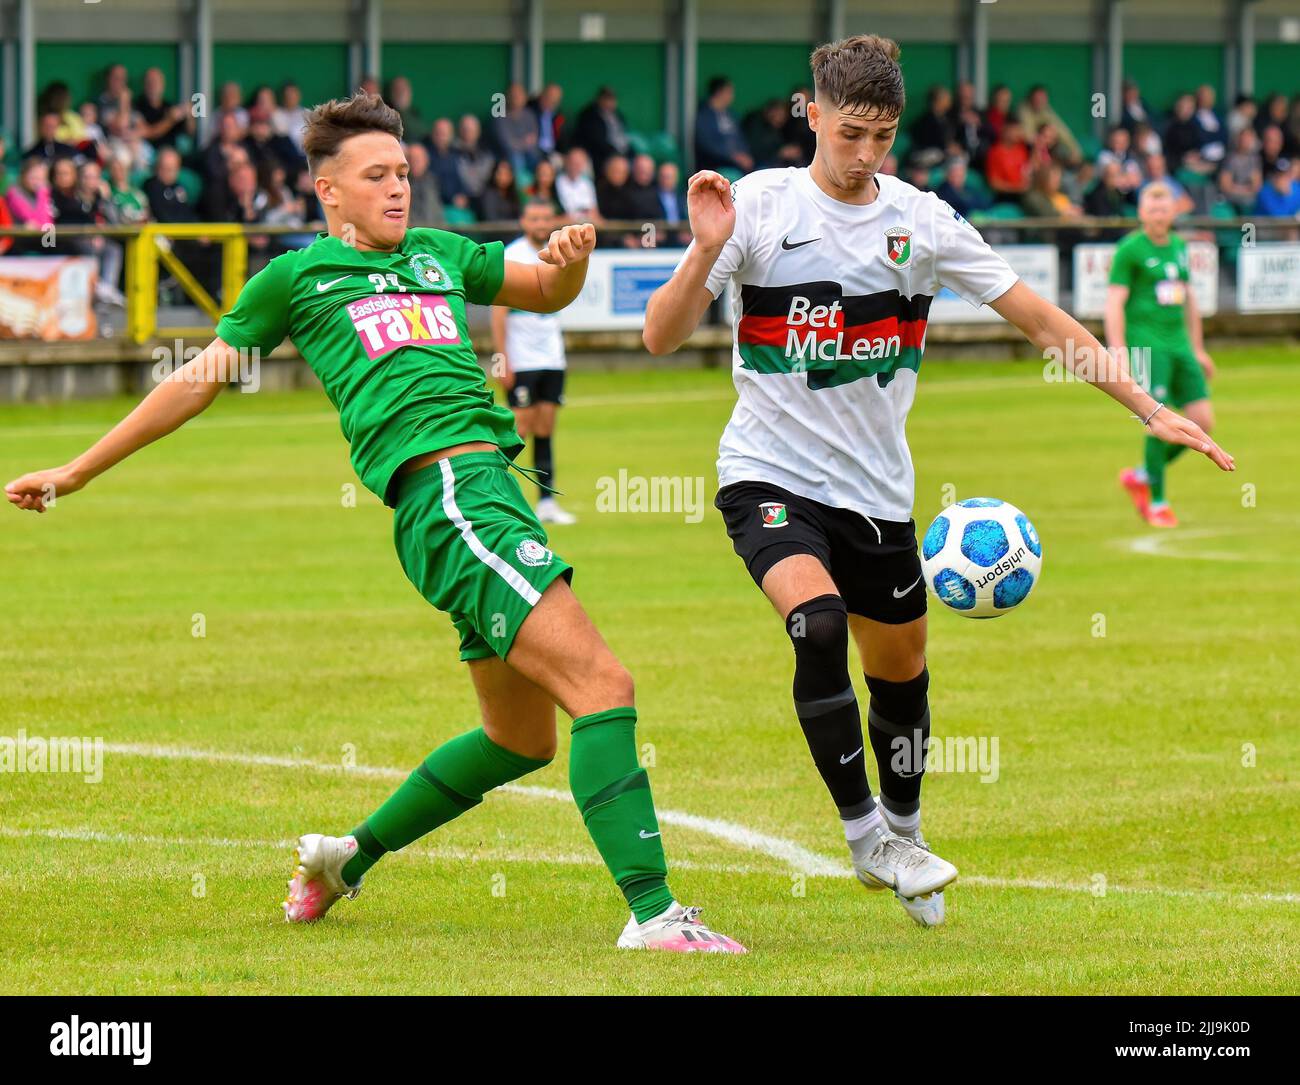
537,386
874,563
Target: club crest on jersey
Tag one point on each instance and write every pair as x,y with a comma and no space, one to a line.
533,554
428,270
773,513
898,245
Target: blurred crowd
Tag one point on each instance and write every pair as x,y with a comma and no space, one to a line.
130,155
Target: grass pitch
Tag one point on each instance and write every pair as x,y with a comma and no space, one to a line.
1139,836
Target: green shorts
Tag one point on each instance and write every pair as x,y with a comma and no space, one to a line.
473,547
1175,376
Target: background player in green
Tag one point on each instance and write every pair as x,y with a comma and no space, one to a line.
1151,310
378,311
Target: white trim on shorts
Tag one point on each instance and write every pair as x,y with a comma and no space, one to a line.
510,575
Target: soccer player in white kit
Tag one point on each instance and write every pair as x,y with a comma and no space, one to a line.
834,268
533,362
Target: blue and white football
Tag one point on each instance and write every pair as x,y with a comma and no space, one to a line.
981,557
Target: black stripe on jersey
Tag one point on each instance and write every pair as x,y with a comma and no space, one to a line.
856,308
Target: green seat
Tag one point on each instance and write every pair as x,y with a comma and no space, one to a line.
731,173
638,143
902,144
976,183
192,183
1089,146
663,148
1004,211
523,178
459,216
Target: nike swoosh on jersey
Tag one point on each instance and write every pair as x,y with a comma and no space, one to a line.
845,760
899,594
646,836
785,243
332,282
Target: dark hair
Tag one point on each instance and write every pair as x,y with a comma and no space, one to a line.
716,84
860,74
333,123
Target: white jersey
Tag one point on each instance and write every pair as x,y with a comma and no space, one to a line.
831,307
533,340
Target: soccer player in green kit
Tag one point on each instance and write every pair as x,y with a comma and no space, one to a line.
378,311
1151,310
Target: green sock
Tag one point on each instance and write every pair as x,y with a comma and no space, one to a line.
613,793
450,780
1155,456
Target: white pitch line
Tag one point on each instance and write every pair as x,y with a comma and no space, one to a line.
800,859
1157,546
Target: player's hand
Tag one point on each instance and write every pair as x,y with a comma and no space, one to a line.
569,244
1172,427
39,489
710,210
1207,363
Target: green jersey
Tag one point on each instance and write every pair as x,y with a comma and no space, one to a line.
1158,278
386,334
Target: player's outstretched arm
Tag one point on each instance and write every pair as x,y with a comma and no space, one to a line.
551,285
174,401
676,308
1051,329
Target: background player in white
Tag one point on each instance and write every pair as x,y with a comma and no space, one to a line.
533,362
835,267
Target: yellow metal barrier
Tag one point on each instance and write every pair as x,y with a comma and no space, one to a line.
153,244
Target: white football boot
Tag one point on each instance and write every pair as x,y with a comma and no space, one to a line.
549,512
678,930
928,911
886,860
317,880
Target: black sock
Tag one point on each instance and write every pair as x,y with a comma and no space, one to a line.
825,701
898,721
544,464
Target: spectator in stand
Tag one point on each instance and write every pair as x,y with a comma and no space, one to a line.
643,192
575,189
1108,198
162,121
28,197
719,142
1292,130
248,203
1133,109
369,85
116,83
1046,148
473,160
284,207
226,148
1007,165
1280,194
48,146
934,136
1183,138
600,129
290,118
549,120
6,220
797,131
426,200
125,141
1243,114
918,176
96,145
264,145
1273,113
1157,169
956,191
1036,112
889,167
612,195
764,130
400,96
998,114
444,164
1213,148
217,204
230,100
57,98
500,200
1118,150
78,203
1146,141
515,132
1272,146
543,187
1242,174
263,99
132,205
671,203
970,131
1045,198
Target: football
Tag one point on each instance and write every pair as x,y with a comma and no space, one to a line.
981,557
